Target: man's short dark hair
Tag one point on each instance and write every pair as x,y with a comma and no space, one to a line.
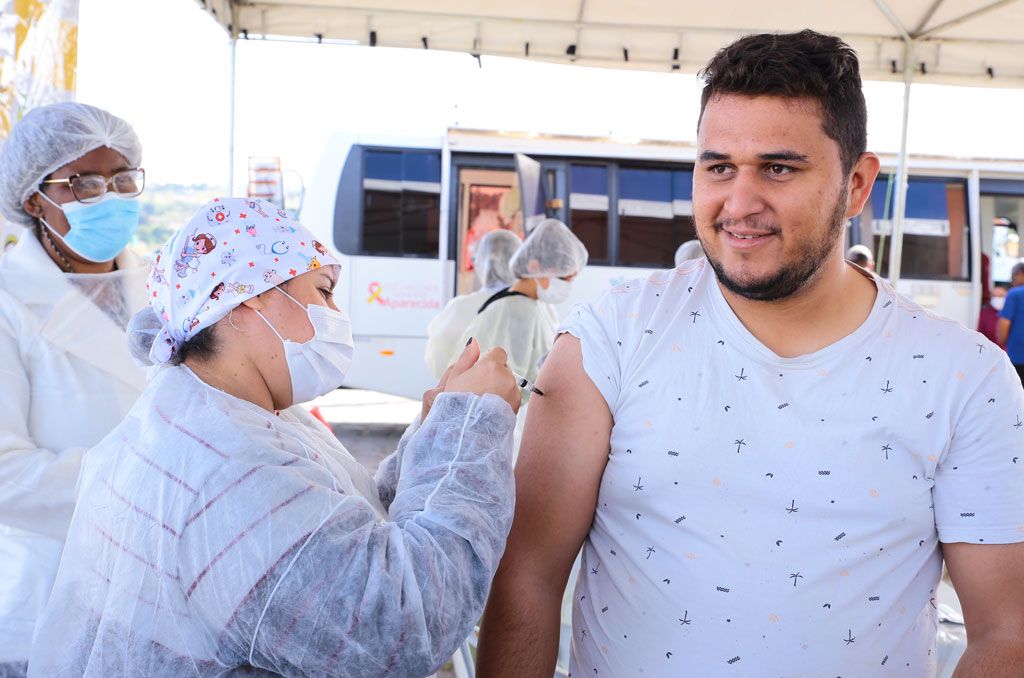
804,65
1018,269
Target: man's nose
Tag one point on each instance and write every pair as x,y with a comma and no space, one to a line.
745,198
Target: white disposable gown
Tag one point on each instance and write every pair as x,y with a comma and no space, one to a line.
446,329
525,328
66,380
214,538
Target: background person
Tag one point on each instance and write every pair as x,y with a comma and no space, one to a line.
522,319
861,255
988,317
491,265
688,251
1010,326
69,173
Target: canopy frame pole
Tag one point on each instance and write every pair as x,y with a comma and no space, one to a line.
928,16
233,45
231,118
900,203
965,18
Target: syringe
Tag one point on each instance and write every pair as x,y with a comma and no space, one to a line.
527,385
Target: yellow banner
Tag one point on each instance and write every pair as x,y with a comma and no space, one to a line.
38,61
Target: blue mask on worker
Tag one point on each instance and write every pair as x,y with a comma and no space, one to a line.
99,230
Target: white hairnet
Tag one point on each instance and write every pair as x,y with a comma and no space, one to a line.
52,136
493,252
142,331
550,251
691,249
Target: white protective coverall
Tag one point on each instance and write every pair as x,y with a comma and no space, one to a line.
491,264
214,538
66,380
524,326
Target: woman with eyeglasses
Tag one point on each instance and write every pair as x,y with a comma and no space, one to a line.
69,173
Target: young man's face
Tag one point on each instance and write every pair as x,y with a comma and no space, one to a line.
770,198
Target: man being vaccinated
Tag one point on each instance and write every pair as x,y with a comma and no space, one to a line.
769,453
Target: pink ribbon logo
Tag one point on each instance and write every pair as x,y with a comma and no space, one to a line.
375,294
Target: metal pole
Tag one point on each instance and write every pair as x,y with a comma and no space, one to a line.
231,118
900,203
974,224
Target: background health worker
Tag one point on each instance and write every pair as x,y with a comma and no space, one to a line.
491,265
69,173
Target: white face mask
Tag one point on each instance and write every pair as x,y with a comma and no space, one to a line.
557,291
318,366
997,303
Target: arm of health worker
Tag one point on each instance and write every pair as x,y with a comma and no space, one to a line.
37,485
351,594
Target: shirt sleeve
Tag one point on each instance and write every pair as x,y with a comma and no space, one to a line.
978,493
343,591
594,324
37,485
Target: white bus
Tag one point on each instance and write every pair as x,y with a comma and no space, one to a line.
404,214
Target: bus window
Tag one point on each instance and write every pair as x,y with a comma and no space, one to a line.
588,209
401,203
655,215
935,230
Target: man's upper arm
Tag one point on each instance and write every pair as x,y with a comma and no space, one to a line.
989,580
561,462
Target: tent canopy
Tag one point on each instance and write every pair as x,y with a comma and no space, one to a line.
978,42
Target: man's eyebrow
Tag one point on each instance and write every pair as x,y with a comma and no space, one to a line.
713,156
786,156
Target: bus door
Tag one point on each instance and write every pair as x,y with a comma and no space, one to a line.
936,262
1002,218
486,198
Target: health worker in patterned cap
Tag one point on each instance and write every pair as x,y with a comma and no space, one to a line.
70,174
219,528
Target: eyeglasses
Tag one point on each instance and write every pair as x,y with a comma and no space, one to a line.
89,188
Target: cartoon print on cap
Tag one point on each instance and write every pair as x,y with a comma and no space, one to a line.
217,214
278,247
200,244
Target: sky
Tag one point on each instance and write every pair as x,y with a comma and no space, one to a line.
163,65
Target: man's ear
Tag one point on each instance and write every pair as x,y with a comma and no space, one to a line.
862,178
32,206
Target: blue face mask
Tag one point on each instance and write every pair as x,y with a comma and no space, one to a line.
99,230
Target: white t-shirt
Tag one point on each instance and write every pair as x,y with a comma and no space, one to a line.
782,516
